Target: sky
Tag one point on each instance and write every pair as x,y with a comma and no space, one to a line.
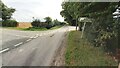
27,9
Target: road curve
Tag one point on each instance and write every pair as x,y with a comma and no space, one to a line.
38,51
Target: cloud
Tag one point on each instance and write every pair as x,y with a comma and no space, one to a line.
26,9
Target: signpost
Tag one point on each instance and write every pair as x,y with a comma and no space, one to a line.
116,14
85,20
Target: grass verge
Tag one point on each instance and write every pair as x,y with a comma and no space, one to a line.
33,29
79,52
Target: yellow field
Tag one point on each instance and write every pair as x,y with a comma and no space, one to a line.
24,25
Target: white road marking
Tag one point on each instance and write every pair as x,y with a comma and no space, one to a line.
4,50
36,36
32,37
18,44
28,40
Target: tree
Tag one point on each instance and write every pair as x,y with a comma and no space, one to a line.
56,22
65,13
49,22
36,23
5,15
10,23
6,12
103,30
0,9
67,17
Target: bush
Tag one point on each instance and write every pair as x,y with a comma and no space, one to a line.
104,33
49,26
9,23
62,23
36,23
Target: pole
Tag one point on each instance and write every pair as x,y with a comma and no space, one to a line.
76,23
83,29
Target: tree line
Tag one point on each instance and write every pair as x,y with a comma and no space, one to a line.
7,21
5,15
104,30
47,24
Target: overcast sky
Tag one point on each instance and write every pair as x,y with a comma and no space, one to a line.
26,9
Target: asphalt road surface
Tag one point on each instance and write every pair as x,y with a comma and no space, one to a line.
30,48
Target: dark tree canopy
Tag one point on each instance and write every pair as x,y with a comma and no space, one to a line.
103,30
5,12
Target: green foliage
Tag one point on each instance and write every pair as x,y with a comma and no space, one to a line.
6,12
80,52
33,28
9,23
103,31
36,23
5,15
56,22
62,23
49,22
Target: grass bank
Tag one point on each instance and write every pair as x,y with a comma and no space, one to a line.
32,28
79,52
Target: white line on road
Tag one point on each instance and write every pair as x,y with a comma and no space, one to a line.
28,40
36,36
32,37
18,44
4,50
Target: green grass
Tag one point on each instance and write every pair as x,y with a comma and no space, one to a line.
79,52
33,29
55,27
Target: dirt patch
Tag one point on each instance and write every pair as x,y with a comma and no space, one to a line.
59,58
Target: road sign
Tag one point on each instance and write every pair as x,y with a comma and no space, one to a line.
85,20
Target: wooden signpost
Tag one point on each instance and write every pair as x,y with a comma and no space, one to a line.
85,20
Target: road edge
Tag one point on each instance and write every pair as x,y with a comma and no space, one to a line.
59,57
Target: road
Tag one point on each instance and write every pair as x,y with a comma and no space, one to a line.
31,48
